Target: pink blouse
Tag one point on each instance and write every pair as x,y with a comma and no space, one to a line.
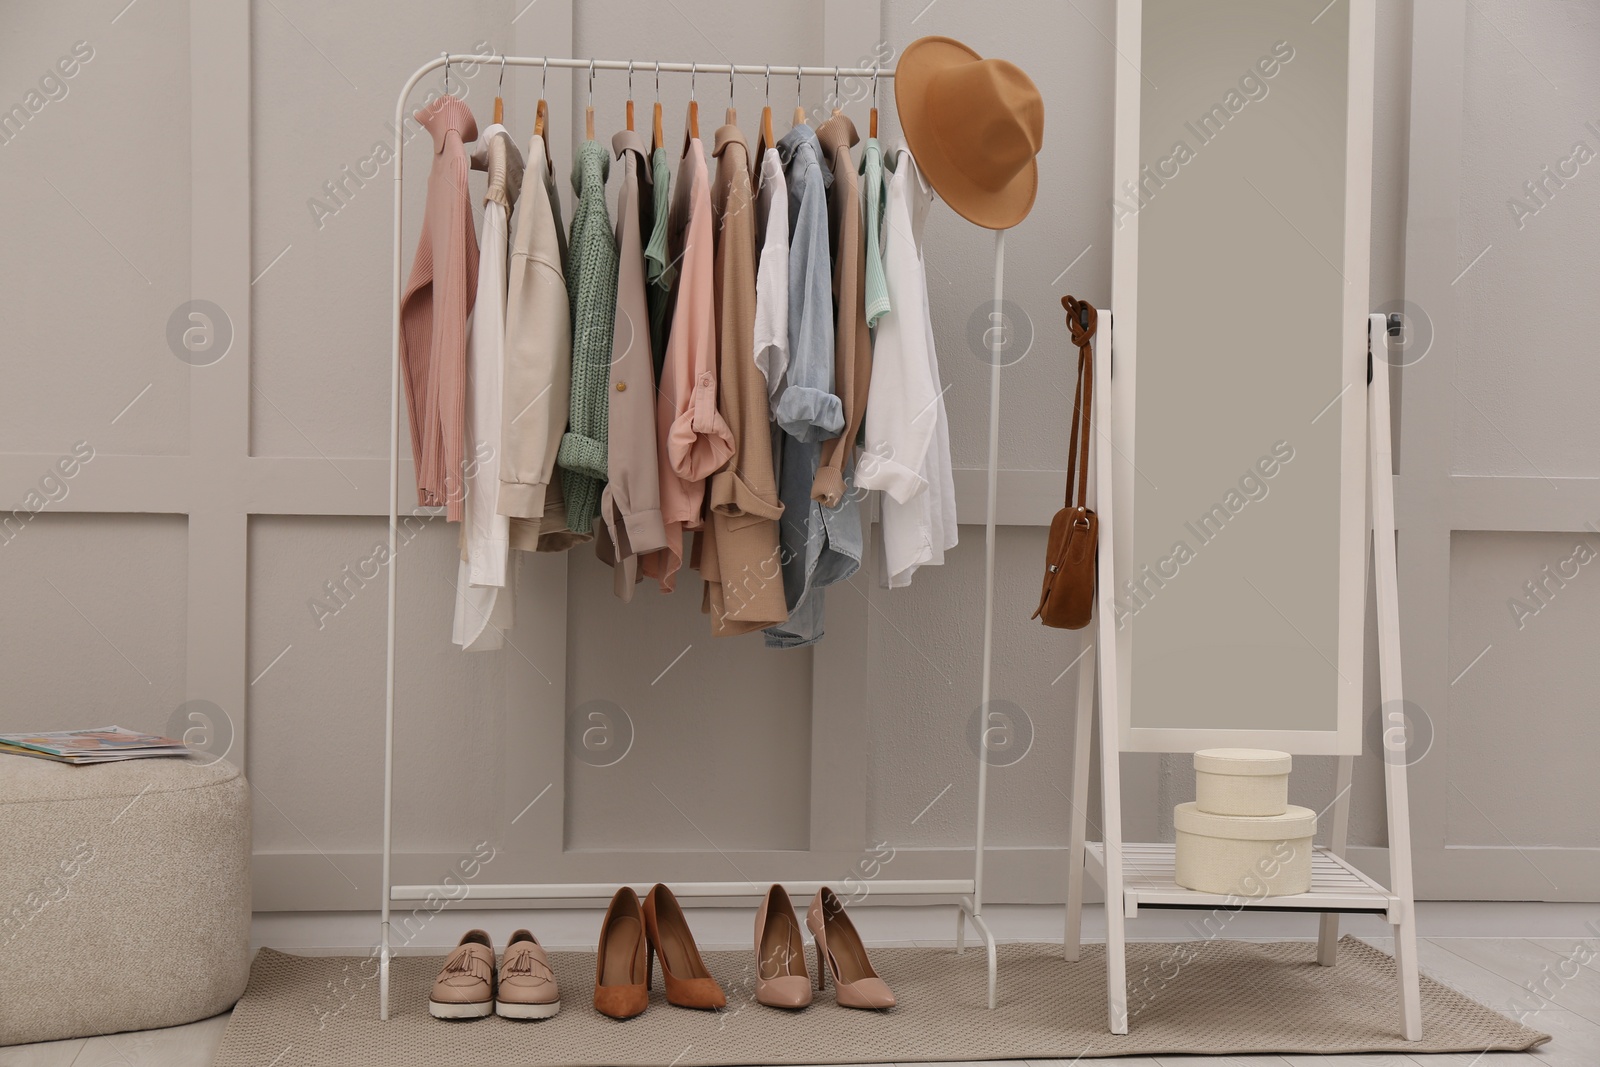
434,309
692,439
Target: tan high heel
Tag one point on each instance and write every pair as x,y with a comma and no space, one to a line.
622,960
683,972
840,950
781,979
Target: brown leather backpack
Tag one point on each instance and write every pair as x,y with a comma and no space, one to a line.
1067,597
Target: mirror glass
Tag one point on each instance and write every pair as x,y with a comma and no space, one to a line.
1232,592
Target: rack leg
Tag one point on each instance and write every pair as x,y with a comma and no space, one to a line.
990,949
1116,918
1405,964
1328,931
1328,939
1072,939
383,976
1109,704
1391,689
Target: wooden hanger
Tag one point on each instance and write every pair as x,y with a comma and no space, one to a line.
872,116
499,101
732,117
657,138
541,118
838,101
588,111
765,140
799,108
630,96
691,127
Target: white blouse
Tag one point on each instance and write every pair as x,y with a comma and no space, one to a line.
483,578
907,433
772,274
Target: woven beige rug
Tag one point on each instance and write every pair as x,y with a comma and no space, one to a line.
1198,997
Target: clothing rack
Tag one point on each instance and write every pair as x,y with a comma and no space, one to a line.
969,892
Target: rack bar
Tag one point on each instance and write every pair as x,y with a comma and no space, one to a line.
949,887
641,66
968,891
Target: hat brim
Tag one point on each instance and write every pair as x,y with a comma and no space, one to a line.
992,209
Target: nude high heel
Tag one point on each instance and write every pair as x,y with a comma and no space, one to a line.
781,979
840,950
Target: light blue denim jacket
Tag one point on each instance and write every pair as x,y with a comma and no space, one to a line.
817,546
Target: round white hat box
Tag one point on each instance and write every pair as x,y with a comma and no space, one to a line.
1241,781
1261,856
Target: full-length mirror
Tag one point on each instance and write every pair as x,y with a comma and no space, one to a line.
1241,226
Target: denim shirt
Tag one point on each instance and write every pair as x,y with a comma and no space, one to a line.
817,546
807,409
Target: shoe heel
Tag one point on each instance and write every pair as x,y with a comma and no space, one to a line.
822,968
649,968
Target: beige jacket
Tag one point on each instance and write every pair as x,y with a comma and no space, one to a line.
852,346
538,367
630,505
739,558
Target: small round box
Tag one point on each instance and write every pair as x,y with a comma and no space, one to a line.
1241,781
1244,856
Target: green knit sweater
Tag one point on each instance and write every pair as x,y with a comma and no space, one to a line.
592,290
658,269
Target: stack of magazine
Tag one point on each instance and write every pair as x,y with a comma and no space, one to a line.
104,745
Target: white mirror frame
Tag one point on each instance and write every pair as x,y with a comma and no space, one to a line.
1345,739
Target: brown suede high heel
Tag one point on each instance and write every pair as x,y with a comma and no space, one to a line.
839,949
781,979
683,973
622,962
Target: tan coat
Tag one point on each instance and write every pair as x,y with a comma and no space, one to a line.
852,346
630,505
739,556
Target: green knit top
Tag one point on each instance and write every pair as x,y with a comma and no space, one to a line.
592,291
658,269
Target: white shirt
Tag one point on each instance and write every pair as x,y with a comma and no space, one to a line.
483,589
907,433
772,275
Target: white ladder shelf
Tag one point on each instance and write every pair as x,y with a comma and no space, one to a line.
1141,875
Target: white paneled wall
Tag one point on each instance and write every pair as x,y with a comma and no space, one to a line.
746,757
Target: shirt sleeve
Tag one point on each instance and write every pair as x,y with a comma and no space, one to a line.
807,409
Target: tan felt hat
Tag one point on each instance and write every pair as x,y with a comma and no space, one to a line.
974,125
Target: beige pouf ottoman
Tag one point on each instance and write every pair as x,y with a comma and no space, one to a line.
126,895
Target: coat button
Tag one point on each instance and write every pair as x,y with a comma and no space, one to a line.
622,387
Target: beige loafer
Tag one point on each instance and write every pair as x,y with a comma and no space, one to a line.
465,986
528,987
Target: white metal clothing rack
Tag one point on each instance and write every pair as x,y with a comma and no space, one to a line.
968,892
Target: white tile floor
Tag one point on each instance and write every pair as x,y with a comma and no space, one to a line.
1551,982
